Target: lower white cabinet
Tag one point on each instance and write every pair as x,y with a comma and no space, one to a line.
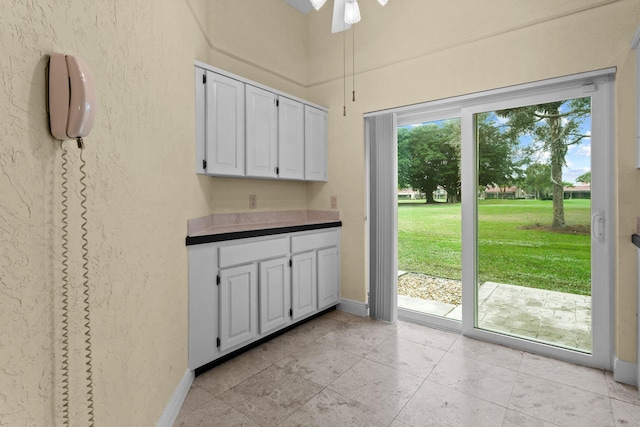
243,290
238,305
275,294
328,277
304,285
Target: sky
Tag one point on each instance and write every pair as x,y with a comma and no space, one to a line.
578,159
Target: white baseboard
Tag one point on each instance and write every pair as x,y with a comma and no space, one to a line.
172,409
625,372
354,307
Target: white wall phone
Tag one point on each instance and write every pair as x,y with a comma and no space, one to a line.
71,103
72,98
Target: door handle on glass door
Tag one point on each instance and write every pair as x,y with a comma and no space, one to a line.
597,226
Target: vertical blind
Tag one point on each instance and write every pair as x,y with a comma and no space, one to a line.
382,152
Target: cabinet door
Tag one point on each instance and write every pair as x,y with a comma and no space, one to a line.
328,277
224,125
290,139
275,293
315,144
304,284
201,118
262,132
238,305
203,301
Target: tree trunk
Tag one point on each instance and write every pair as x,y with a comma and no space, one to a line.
428,197
558,152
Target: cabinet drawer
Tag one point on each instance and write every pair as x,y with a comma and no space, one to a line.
249,252
314,241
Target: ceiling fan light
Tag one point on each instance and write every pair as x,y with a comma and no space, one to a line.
317,4
383,2
351,12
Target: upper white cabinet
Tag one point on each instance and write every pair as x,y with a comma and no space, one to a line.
290,138
248,130
315,144
225,126
262,133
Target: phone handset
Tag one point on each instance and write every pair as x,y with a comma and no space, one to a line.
72,97
72,109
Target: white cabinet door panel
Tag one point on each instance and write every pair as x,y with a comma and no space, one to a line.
328,277
224,125
262,132
203,303
315,144
304,289
290,139
275,293
238,305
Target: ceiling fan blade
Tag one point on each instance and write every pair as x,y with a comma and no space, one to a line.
338,17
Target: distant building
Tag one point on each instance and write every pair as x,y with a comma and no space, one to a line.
512,192
409,194
581,190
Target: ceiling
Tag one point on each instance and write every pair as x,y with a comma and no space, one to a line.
303,6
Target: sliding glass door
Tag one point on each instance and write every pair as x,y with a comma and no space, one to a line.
536,246
534,211
522,221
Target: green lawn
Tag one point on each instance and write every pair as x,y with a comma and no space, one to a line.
429,242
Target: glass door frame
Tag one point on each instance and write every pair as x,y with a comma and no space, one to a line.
602,186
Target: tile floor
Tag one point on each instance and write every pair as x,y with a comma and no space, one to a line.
343,370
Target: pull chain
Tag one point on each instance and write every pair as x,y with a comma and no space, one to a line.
344,74
353,67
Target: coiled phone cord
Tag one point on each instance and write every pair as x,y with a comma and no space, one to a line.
65,287
85,284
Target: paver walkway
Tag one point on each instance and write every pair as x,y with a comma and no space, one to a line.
554,317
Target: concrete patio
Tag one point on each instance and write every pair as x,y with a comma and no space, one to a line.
554,317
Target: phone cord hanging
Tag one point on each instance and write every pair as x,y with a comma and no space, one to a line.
85,284
65,287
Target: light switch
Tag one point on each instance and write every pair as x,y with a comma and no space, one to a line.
334,202
253,199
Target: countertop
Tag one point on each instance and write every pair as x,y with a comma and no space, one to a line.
221,227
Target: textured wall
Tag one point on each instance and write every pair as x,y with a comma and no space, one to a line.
141,189
452,48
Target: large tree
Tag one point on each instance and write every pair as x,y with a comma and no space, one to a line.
537,180
498,165
554,127
429,156
404,157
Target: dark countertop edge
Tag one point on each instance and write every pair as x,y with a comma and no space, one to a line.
635,239
210,238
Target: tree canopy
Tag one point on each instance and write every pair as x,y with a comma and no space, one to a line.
584,178
554,127
429,156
